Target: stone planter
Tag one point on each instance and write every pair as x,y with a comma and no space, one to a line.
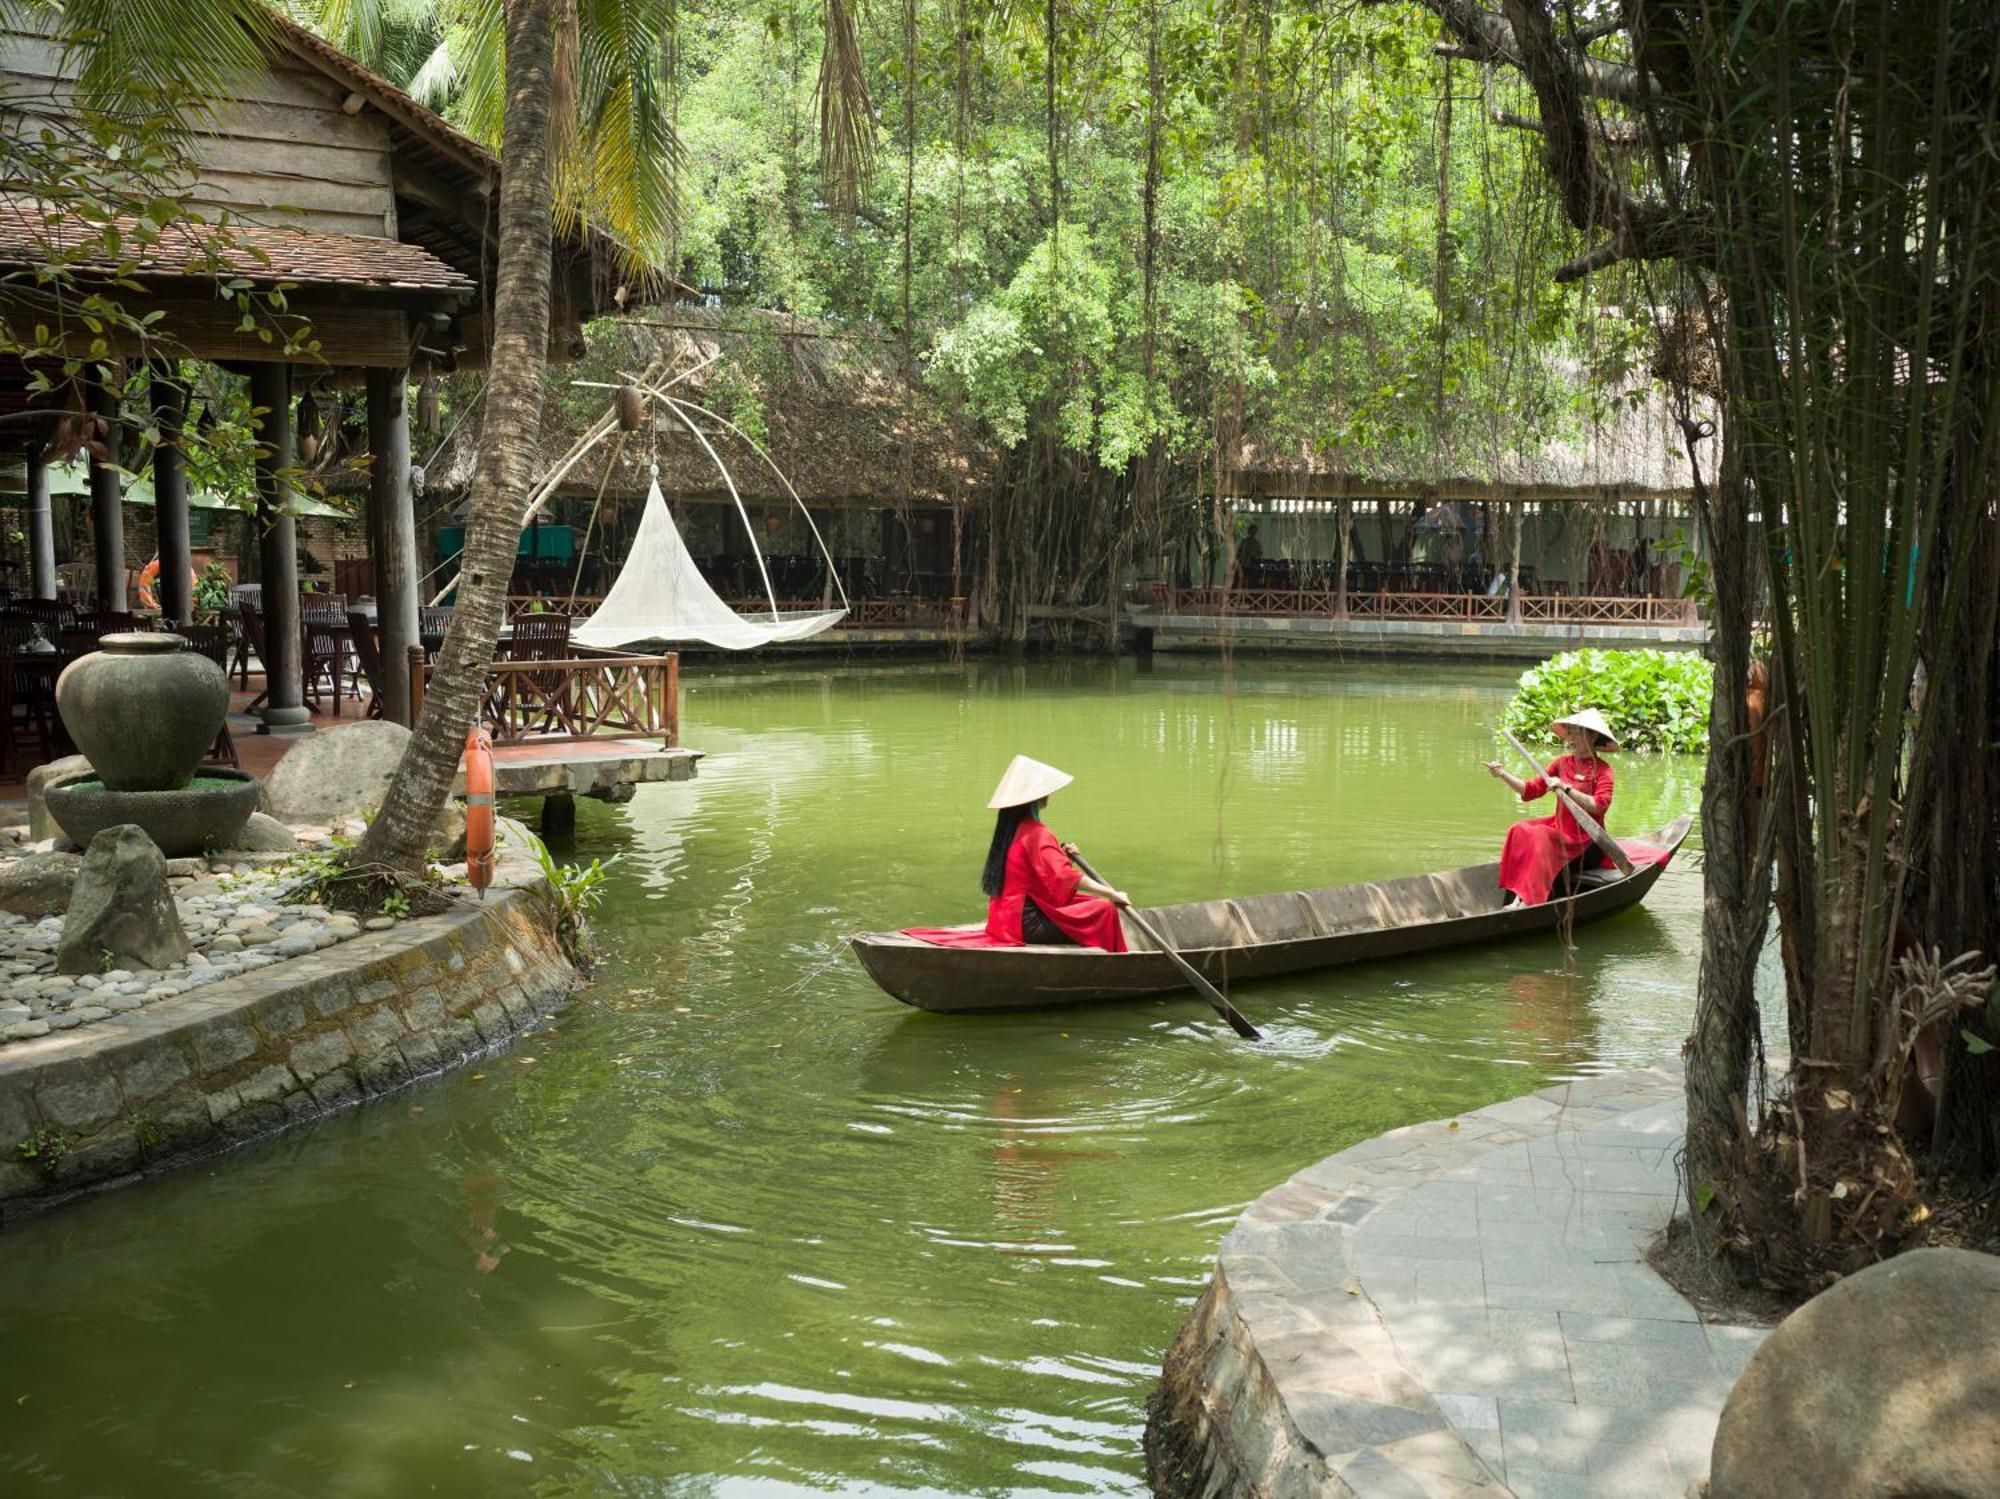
143,709
185,820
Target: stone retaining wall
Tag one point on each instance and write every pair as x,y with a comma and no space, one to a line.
247,1057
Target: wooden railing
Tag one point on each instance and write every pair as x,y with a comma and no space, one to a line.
519,604
906,614
1324,603
894,613
575,699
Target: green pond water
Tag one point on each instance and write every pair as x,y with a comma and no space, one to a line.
743,1225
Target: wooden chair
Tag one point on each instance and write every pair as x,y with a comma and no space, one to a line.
431,623
28,717
216,642
368,654
539,637
323,655
253,636
543,637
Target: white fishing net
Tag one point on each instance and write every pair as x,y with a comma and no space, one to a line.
661,595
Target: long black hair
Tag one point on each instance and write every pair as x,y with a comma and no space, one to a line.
1005,826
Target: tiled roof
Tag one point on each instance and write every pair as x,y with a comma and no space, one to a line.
257,252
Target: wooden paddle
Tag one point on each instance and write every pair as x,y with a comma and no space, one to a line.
1571,799
1201,985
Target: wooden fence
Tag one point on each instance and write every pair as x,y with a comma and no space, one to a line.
576,699
894,613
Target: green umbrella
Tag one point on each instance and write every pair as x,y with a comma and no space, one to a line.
74,478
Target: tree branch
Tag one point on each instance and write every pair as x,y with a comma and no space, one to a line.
1611,132
1490,38
1593,199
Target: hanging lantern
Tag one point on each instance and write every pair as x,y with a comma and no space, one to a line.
631,404
310,425
428,416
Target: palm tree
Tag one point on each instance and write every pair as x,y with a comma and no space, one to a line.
400,835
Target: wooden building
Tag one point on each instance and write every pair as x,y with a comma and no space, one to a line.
378,216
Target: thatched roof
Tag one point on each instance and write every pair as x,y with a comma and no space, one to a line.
1634,450
830,404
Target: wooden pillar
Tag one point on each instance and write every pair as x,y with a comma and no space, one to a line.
1514,508
277,545
1345,523
392,535
41,525
107,504
170,496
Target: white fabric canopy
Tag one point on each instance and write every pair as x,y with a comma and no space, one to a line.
661,595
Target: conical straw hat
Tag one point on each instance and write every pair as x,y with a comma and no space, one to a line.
1027,781
1591,719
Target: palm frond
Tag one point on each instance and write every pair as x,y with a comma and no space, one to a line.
436,79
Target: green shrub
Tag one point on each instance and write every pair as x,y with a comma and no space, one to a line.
1655,700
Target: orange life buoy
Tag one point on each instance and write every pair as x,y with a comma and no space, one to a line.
479,807
150,574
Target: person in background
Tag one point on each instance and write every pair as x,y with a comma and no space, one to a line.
1249,558
1543,850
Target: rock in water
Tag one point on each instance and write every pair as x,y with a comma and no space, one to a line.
38,885
335,773
264,835
55,773
1886,1383
121,906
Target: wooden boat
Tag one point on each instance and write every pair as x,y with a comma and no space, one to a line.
1260,936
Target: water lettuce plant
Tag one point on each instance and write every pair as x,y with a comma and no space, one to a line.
1656,700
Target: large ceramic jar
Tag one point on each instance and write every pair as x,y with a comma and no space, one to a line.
143,709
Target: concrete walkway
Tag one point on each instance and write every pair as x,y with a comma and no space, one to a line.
1463,1308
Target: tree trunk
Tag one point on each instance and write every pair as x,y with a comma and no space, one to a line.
400,836
1736,879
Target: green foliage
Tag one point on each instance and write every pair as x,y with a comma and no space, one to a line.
211,589
397,904
44,1149
1655,700
573,892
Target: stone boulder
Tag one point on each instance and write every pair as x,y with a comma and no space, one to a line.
336,773
121,906
38,885
1886,1383
263,835
69,768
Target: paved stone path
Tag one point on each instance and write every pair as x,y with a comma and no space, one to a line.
1504,1254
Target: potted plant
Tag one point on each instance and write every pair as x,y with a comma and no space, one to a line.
211,594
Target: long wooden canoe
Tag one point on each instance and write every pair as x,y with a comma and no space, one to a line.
1260,936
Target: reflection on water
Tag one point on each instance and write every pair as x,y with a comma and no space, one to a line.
746,1226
